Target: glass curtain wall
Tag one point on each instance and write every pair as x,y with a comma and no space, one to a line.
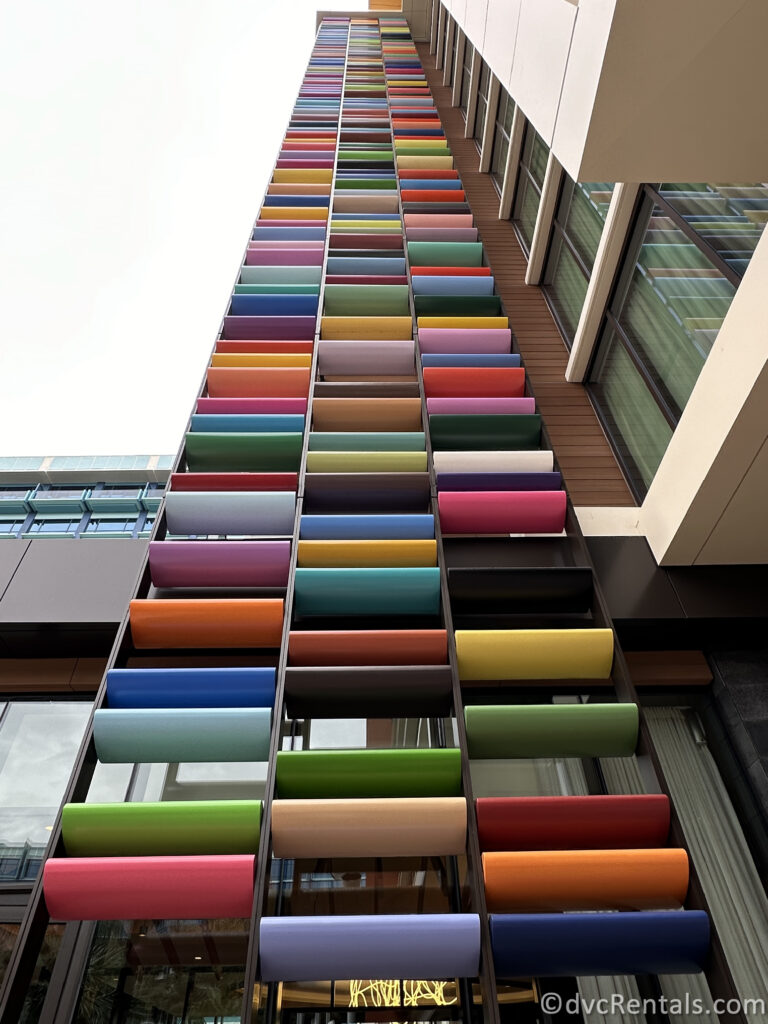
686,256
530,181
466,77
501,133
484,88
576,231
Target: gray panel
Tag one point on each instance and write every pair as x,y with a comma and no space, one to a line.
67,581
11,553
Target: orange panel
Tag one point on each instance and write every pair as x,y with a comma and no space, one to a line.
369,647
554,880
474,381
366,414
258,382
213,622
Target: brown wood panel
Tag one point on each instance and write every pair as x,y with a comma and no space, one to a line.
590,470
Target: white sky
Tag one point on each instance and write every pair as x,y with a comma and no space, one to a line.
136,140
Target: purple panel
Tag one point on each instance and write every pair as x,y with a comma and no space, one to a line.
219,563
481,405
499,481
272,243
283,258
464,339
252,405
380,946
298,328
441,234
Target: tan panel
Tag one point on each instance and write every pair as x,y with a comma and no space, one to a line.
366,414
403,827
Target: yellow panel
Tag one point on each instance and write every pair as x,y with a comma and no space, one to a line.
365,554
261,359
367,328
303,174
463,321
293,213
366,462
434,162
419,143
534,653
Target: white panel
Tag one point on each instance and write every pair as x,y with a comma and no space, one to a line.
236,513
474,22
494,462
740,535
500,36
541,53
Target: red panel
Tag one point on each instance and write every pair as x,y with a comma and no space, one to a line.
450,271
473,381
419,172
572,822
433,195
369,647
234,481
492,512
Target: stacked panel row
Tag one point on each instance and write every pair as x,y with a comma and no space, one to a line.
366,637
551,867
219,574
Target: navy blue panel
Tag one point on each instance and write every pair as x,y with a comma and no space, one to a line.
470,359
191,687
499,481
372,527
274,305
247,423
447,184
577,945
284,200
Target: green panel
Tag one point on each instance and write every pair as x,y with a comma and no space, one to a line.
234,453
551,730
381,441
368,773
367,462
366,300
380,156
382,183
277,289
487,431
422,151
445,254
457,305
398,591
185,827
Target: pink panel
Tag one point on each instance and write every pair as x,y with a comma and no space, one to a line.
464,339
481,405
375,357
438,220
284,258
129,888
481,512
252,405
220,563
278,244
441,234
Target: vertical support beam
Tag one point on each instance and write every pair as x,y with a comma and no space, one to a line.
457,71
440,43
433,26
474,85
490,124
516,133
450,35
609,250
540,242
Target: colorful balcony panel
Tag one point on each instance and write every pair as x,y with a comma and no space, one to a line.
230,687
534,653
206,622
551,730
368,773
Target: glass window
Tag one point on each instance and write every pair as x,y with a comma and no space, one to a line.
466,77
533,166
106,525
578,225
179,972
668,306
729,218
501,133
41,975
483,89
54,526
10,526
38,746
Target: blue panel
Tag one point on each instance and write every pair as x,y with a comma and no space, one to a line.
358,265
499,481
361,527
412,591
283,200
470,359
265,234
445,184
191,687
273,305
575,945
148,735
247,423
446,285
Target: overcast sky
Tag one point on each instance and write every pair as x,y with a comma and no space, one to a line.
136,140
